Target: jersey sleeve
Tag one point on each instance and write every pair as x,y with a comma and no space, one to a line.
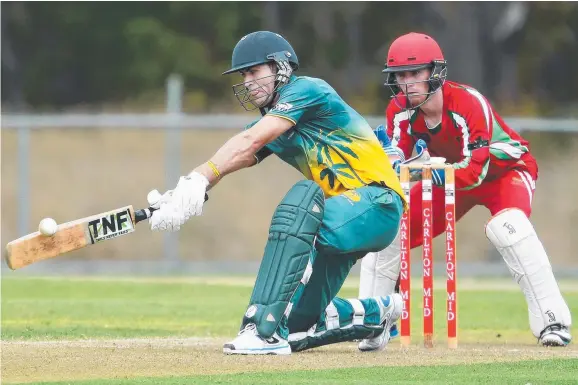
474,118
299,101
262,154
398,129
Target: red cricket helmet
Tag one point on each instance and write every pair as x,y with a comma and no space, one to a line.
414,52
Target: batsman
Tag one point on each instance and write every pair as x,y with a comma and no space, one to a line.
493,167
346,207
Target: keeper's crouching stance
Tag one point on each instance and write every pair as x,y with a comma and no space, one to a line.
350,205
493,166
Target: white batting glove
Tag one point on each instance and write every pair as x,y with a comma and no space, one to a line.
189,195
185,201
158,220
166,218
155,199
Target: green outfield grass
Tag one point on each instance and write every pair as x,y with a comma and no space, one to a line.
524,372
46,320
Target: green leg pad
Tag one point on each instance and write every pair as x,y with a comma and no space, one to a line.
287,259
343,320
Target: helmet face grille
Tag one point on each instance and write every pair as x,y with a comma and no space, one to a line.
280,78
245,97
435,82
248,101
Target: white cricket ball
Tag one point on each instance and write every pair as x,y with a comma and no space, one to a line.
47,227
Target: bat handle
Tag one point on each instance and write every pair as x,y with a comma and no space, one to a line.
143,214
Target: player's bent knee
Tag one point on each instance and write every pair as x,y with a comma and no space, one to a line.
511,232
288,257
509,227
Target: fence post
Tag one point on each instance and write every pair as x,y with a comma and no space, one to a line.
173,161
23,180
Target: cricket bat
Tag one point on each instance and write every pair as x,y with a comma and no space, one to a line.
74,235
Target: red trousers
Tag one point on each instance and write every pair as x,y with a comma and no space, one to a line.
514,189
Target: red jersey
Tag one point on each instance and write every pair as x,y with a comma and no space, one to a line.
471,136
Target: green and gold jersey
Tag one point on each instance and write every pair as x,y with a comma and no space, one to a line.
330,143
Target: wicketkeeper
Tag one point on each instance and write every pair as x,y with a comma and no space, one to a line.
493,168
350,204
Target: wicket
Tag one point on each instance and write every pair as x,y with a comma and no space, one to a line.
427,254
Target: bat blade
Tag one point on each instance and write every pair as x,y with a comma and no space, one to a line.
72,236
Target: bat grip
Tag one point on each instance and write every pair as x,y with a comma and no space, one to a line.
143,214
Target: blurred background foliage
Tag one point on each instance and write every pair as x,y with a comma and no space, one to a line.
116,56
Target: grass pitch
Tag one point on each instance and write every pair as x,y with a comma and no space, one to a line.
170,331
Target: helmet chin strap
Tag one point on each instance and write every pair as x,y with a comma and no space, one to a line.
273,101
428,95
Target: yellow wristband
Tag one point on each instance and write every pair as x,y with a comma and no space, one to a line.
214,168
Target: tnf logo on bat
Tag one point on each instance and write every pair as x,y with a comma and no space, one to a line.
111,225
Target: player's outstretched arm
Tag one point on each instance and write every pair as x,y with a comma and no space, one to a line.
240,151
187,199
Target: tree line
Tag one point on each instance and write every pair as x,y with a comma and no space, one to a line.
90,55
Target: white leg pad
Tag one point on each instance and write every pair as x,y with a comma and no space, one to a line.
380,270
513,235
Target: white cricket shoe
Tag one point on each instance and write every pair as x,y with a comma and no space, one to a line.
555,335
248,341
390,315
371,344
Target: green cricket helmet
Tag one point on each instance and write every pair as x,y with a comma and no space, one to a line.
259,48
